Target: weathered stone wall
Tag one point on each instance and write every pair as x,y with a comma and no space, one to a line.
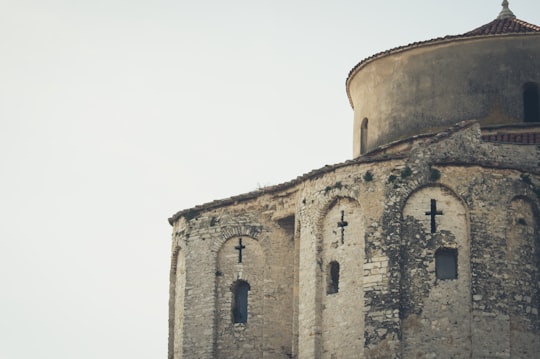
233,337
177,295
524,265
327,320
210,240
435,312
389,302
342,304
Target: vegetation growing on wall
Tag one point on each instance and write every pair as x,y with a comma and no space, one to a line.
406,172
368,176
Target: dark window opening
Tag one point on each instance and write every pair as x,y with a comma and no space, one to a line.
363,136
333,278
531,103
240,301
446,263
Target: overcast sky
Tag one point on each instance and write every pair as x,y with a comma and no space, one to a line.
116,114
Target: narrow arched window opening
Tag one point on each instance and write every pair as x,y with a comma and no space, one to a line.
363,136
446,263
531,103
333,278
240,291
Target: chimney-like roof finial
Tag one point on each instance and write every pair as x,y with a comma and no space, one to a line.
506,13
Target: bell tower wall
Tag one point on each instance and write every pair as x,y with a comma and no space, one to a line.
426,88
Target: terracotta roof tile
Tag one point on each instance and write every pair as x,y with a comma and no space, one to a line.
514,138
503,26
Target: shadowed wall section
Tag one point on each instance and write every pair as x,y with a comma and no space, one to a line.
523,261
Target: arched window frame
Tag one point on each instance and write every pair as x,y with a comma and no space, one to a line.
333,278
240,293
363,136
531,103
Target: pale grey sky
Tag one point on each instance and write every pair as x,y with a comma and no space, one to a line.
115,114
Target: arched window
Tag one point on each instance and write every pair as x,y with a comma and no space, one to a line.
240,291
531,103
333,278
363,136
446,263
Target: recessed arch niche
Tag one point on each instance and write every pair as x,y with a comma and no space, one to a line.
341,258
239,285
436,309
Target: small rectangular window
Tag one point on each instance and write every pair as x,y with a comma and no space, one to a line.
531,102
446,263
240,301
333,278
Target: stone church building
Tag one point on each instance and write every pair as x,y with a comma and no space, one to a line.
424,245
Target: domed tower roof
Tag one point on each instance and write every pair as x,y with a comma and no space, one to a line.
430,85
505,23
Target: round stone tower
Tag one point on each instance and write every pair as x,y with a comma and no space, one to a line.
490,74
427,246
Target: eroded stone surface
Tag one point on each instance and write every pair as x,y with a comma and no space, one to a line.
389,304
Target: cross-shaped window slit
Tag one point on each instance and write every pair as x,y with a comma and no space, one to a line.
342,224
434,213
239,248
